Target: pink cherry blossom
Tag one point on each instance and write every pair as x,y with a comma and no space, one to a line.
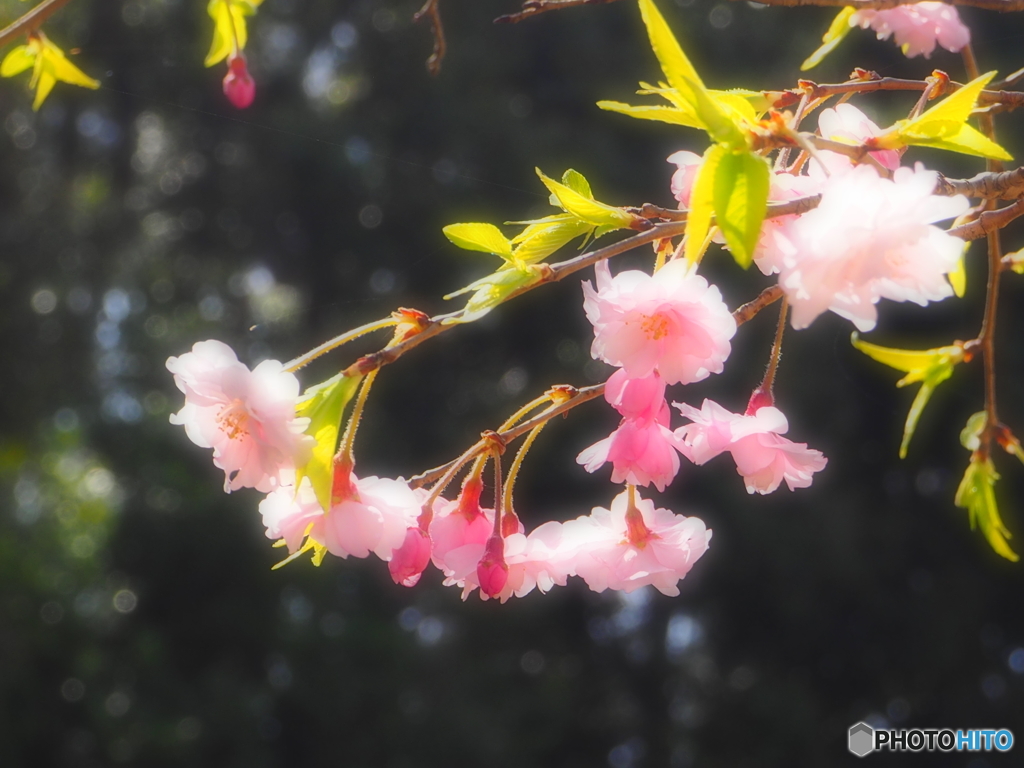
410,560
763,457
374,516
458,524
849,125
671,321
641,452
239,86
623,548
247,417
870,238
784,187
917,27
687,165
642,398
291,514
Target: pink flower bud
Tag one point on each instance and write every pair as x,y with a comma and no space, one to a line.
239,86
409,560
759,398
492,572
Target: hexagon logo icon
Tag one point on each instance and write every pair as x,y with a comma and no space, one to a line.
861,739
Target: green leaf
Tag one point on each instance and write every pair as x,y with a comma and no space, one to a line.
490,291
17,61
324,405
674,115
837,30
958,276
970,435
741,201
944,126
702,201
931,367
577,182
585,208
479,237
977,495
542,238
229,27
674,63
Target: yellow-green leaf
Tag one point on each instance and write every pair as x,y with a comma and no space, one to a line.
674,63
49,65
492,290
542,238
702,202
958,276
966,141
740,201
577,182
931,367
479,237
585,208
977,495
970,435
955,109
17,61
324,405
837,30
720,123
229,27
663,114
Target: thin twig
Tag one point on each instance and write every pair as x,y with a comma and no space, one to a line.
741,315
431,8
31,21
535,7
989,221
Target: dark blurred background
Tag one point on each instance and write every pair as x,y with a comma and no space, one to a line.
140,623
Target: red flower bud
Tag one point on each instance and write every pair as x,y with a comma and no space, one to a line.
239,86
409,560
492,572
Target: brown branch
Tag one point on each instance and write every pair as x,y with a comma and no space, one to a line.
535,7
31,21
996,100
432,9
742,314
1003,6
1005,185
800,205
989,221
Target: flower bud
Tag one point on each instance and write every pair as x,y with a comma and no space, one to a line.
409,560
239,86
492,572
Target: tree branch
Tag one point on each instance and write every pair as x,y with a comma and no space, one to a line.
535,7
31,21
989,221
432,9
1004,185
1003,6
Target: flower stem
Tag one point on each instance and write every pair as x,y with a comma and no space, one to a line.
304,360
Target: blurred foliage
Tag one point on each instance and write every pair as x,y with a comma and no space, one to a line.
140,623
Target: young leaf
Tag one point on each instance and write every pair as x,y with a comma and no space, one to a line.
577,182
958,276
977,495
479,237
542,238
944,126
49,66
585,208
492,290
229,27
674,63
324,405
837,30
931,367
740,202
17,61
970,435
702,202
674,115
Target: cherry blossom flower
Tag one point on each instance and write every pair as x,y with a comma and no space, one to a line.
671,321
641,452
239,86
247,417
687,165
917,27
629,547
849,125
290,514
458,524
870,238
763,457
410,560
374,515
642,398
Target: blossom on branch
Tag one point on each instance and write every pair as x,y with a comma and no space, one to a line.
917,27
671,321
641,452
632,545
246,417
870,238
373,515
763,457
